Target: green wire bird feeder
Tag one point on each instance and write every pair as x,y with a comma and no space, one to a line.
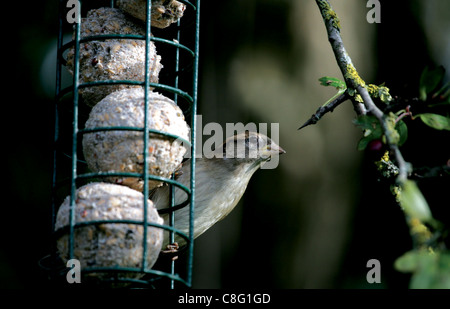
178,46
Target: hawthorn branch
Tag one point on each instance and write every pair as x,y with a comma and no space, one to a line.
355,82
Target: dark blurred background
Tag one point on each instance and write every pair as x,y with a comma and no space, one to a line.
313,222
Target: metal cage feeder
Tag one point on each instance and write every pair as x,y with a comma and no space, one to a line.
180,81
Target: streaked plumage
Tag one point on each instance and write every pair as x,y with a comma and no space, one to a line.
220,180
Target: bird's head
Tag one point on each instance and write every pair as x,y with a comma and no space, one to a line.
249,147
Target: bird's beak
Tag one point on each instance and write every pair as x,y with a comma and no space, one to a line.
271,150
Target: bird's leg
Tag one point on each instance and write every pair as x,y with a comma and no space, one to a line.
171,250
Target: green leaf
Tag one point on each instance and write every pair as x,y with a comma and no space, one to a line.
402,130
413,202
427,273
444,270
366,122
444,91
363,142
372,130
431,270
429,80
435,121
334,82
351,92
408,262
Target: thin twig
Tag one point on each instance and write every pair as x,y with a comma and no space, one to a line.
405,114
321,111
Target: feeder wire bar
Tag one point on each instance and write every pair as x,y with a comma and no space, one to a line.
193,139
73,187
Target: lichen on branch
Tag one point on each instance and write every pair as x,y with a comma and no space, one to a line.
329,14
352,74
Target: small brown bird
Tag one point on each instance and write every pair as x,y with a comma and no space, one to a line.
220,181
